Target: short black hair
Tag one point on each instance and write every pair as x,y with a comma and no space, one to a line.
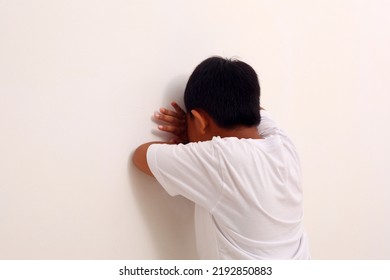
227,89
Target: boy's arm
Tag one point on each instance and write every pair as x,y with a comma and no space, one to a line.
140,159
175,123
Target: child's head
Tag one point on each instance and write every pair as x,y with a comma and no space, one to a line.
227,90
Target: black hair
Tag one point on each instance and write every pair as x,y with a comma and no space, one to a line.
227,89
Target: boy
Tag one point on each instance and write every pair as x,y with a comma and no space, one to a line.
244,178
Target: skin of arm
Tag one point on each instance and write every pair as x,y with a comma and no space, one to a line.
140,159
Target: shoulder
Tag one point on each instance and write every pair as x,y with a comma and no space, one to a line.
185,148
190,152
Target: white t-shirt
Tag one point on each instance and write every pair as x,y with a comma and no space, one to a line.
247,193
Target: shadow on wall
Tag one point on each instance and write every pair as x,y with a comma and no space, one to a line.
170,220
175,90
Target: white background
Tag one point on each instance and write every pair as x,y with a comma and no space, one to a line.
80,80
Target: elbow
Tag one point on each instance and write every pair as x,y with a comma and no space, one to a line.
140,159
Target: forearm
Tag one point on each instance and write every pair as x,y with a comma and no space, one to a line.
140,158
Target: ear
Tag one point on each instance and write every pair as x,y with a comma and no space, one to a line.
201,121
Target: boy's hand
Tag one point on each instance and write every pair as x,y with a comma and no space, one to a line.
175,123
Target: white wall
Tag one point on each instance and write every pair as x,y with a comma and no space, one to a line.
79,81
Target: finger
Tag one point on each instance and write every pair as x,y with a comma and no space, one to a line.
169,119
172,129
177,108
167,112
169,128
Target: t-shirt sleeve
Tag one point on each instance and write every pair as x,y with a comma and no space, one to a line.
190,170
268,126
